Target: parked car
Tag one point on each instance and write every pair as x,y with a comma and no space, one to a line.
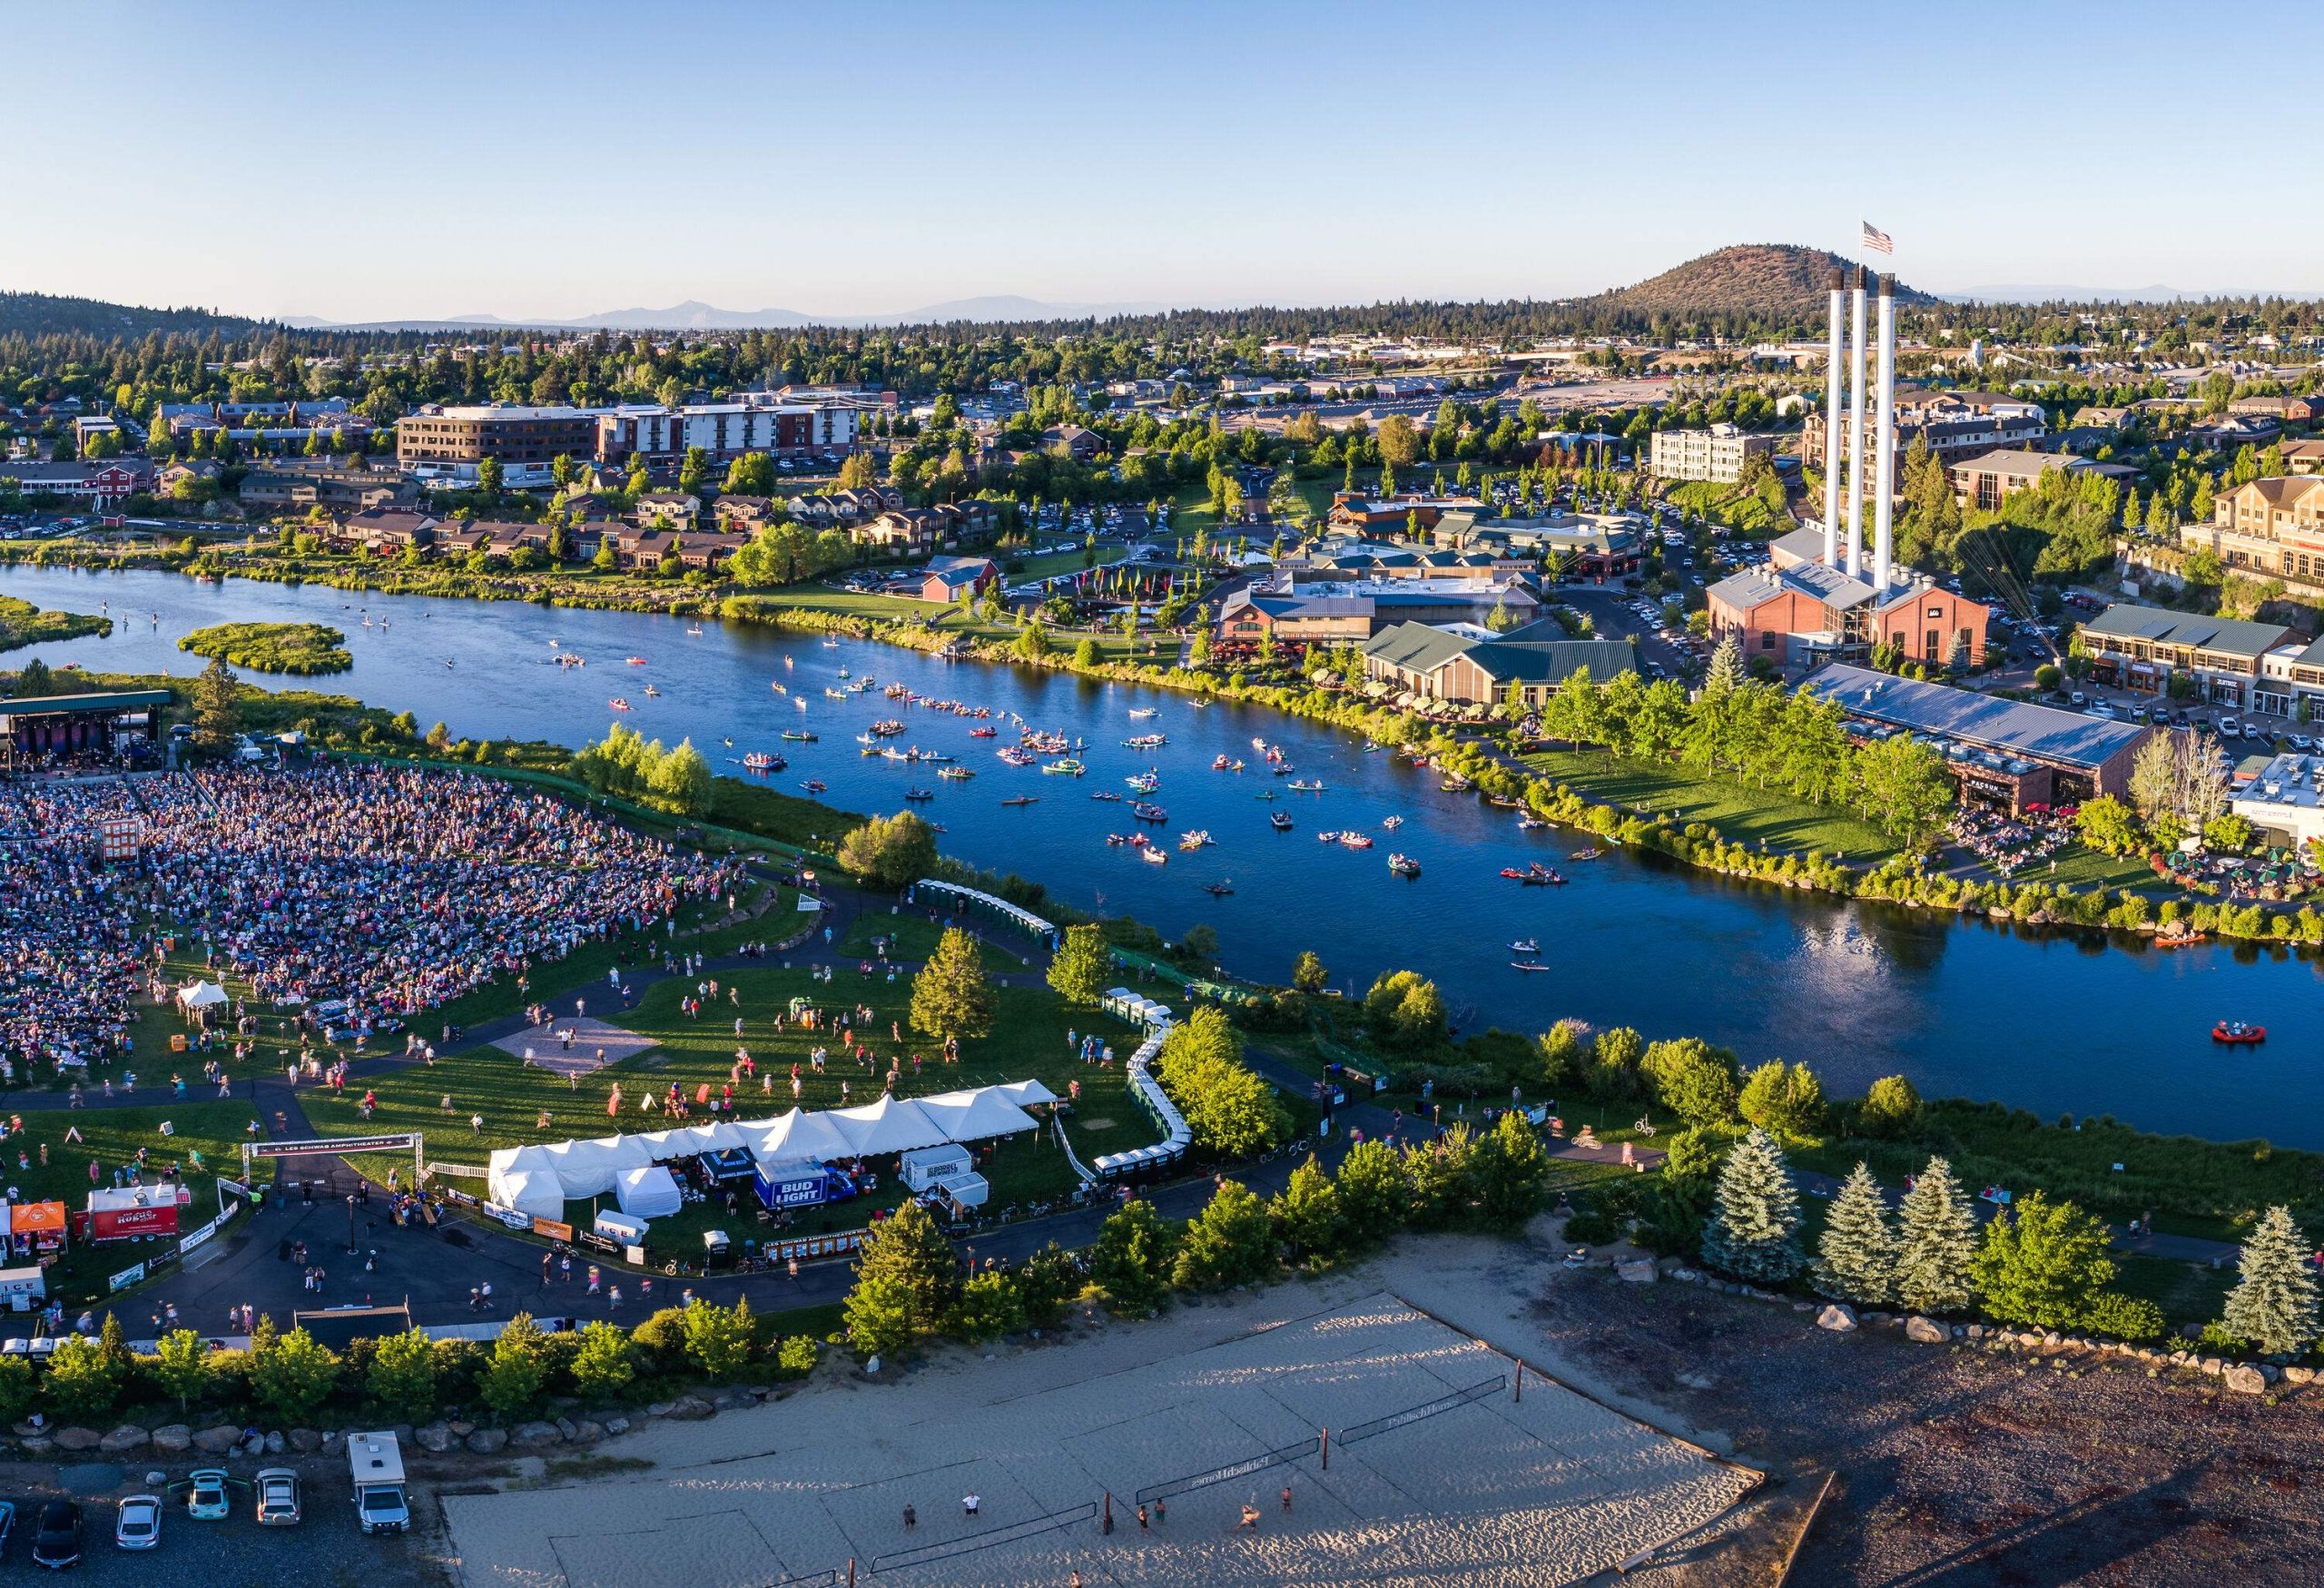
57,1545
2078,699
2229,728
278,1497
138,1524
205,1496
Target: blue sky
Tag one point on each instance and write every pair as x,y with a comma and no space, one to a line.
532,159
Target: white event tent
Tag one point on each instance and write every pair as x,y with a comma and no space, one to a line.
541,1179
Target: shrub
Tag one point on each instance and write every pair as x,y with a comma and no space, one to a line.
797,1355
719,1340
604,1367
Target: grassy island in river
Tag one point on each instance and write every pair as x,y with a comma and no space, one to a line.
24,624
274,647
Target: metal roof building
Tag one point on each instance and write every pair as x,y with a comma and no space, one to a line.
2066,756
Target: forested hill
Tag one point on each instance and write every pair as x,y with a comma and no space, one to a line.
37,314
1763,281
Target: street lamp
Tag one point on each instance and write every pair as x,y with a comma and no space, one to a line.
350,1223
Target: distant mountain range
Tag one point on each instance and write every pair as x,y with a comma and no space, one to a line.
2037,293
693,315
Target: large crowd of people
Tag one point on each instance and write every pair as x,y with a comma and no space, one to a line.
2009,844
392,889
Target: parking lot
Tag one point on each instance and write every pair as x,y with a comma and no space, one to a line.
324,1548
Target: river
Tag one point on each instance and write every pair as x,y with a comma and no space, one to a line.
2051,1022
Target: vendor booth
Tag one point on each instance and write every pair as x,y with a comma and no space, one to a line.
648,1193
535,1193
35,1228
197,999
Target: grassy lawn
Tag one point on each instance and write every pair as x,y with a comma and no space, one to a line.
1741,814
850,603
911,938
2190,1294
1028,1042
212,1129
2082,869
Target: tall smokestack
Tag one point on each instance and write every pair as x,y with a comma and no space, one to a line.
1832,426
1855,423
1884,453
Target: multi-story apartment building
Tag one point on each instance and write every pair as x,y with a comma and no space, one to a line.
452,442
1955,424
725,430
2271,528
1716,454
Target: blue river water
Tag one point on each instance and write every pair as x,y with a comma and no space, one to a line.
2049,1022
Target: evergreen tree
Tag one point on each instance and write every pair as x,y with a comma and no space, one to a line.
1856,1259
1130,1261
217,709
1726,670
1936,1242
906,1278
1511,1172
2274,1305
402,1376
1753,1231
1078,970
949,997
1307,973
1229,1242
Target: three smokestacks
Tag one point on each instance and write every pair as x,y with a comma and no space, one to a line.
1849,344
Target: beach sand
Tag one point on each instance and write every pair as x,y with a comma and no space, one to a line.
1438,1472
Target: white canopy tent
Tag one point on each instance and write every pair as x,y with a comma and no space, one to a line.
647,1193
200,996
800,1137
586,1168
887,1125
536,1193
1025,1094
972,1116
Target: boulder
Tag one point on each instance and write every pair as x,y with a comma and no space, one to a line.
276,1443
173,1437
566,1428
1684,1275
460,1428
488,1441
585,1432
433,1436
2245,1379
533,1435
1636,1271
36,1445
1926,1330
78,1438
28,1431
616,1427
128,1436
1977,1331
306,1441
1837,1317
219,1440
690,1409
2297,1374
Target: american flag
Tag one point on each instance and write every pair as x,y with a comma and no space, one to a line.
1875,238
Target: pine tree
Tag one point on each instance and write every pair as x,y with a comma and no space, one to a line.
1856,1260
949,997
1726,670
1753,1231
2274,1305
905,1280
1230,1242
217,713
1936,1242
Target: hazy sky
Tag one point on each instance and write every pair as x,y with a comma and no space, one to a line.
415,158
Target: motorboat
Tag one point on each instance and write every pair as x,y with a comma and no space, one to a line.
2237,1033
